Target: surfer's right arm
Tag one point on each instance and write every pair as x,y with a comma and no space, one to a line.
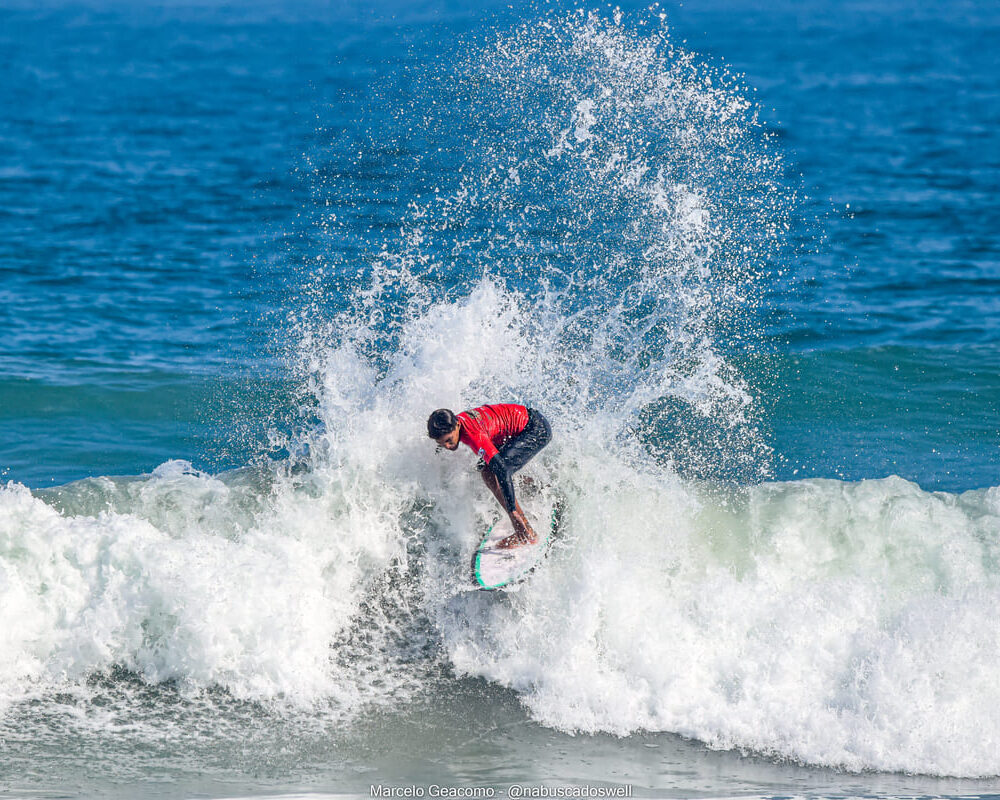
494,462
500,471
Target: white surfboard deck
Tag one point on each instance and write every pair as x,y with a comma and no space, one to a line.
494,568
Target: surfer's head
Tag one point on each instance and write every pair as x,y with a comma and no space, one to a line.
442,427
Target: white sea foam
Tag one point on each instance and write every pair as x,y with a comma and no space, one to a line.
840,624
175,588
836,623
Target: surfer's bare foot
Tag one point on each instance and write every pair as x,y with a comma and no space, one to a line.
517,540
522,535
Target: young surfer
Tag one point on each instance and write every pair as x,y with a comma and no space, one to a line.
505,437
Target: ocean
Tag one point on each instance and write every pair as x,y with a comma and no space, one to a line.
745,257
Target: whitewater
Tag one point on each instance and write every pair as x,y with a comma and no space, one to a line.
596,246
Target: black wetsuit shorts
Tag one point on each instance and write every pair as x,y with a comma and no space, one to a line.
526,445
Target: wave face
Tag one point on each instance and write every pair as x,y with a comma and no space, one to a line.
596,249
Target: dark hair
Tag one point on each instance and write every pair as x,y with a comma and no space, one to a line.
441,422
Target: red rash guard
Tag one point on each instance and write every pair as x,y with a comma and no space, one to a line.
487,428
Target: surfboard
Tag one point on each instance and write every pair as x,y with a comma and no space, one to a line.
494,568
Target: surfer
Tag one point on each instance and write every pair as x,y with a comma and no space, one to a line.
505,437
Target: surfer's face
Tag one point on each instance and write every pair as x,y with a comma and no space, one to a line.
450,439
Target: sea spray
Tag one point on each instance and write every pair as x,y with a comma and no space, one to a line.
623,196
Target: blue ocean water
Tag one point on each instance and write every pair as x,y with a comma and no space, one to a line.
746,257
